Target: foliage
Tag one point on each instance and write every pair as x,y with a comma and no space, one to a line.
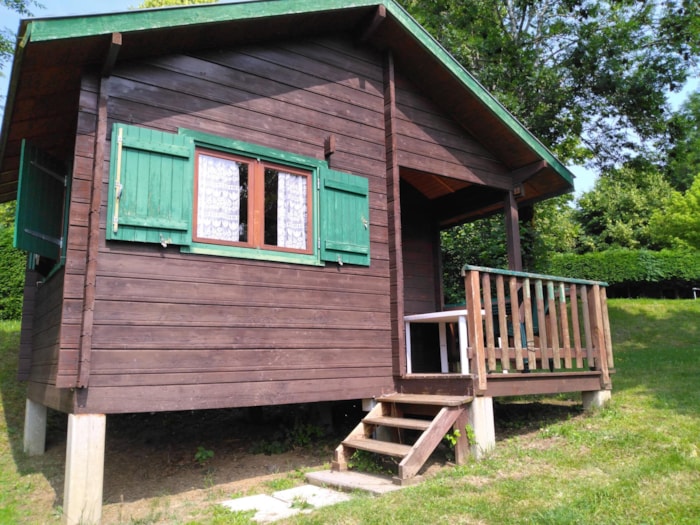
369,462
588,77
203,455
12,264
7,38
683,163
616,212
679,222
642,271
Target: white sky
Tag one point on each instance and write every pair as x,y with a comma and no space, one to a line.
10,20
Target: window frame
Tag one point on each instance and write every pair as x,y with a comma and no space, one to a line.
277,159
255,219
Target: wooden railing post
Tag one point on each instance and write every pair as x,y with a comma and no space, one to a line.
598,335
475,328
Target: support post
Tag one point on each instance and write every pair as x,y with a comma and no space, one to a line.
515,256
34,428
85,451
481,421
595,399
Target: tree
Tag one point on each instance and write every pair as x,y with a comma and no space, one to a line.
7,37
678,224
616,212
588,77
684,156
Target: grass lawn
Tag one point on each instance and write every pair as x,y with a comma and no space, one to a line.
636,461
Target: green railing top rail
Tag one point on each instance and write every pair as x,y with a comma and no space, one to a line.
543,277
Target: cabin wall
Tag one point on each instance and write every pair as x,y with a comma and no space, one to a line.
429,140
420,241
176,331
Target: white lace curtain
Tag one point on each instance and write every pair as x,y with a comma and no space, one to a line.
291,211
218,199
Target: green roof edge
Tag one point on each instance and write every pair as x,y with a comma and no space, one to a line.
466,78
39,30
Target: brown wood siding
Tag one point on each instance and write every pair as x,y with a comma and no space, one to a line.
179,331
430,141
25,338
46,330
420,252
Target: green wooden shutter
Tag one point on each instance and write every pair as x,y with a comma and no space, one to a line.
150,191
344,218
40,203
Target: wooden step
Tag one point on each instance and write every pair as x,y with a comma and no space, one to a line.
425,399
398,422
379,447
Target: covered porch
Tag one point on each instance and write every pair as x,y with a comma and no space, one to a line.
518,333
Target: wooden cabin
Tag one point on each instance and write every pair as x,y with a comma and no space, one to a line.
239,204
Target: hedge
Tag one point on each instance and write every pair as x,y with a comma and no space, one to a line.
12,264
633,271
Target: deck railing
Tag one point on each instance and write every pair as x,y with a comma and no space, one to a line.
522,322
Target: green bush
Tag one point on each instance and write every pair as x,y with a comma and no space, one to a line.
633,272
12,264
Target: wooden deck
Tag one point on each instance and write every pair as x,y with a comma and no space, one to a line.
527,334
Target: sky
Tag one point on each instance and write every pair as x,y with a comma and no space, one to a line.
9,20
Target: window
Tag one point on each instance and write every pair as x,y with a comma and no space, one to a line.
213,195
248,202
41,219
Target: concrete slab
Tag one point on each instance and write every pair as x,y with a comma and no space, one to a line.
313,495
349,481
286,503
268,509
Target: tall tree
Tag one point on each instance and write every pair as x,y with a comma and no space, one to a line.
616,212
684,155
588,77
678,224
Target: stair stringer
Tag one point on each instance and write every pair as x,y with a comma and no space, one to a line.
428,441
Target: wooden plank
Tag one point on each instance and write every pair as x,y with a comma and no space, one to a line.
398,422
541,323
488,318
553,326
516,320
529,329
575,325
378,447
419,399
503,322
564,326
427,442
545,383
475,328
159,398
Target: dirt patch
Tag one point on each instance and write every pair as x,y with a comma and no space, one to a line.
171,466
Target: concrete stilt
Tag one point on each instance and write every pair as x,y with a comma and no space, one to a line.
85,451
34,428
480,415
595,399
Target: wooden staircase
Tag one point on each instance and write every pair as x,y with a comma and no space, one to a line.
430,415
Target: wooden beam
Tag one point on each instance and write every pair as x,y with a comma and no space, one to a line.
526,172
115,46
377,20
93,238
393,187
512,223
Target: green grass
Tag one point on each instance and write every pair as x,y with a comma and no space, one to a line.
636,461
